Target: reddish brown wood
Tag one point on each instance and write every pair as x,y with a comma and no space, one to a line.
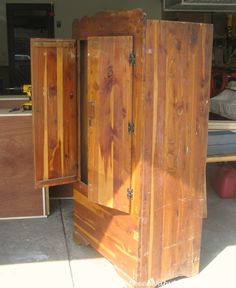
125,256
170,112
18,197
109,113
131,23
160,237
54,111
112,233
177,91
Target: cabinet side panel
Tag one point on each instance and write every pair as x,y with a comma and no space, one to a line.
178,63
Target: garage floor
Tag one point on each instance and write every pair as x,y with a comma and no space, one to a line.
41,253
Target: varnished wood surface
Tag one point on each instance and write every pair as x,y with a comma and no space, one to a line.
54,110
131,23
112,233
109,112
18,197
178,62
160,239
175,124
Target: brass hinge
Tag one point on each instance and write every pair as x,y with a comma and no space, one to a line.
131,127
130,193
132,58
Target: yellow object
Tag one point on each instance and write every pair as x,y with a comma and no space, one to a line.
27,106
230,20
27,90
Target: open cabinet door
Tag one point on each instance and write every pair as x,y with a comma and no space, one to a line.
110,78
54,75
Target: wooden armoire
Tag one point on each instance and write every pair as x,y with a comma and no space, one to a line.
121,111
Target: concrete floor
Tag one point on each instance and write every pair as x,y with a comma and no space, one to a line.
41,253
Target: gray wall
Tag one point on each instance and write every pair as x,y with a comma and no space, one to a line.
67,10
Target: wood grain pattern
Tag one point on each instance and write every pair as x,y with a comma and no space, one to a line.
107,239
110,110
160,239
18,197
131,23
176,112
54,110
112,233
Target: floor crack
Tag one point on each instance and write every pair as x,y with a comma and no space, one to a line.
66,243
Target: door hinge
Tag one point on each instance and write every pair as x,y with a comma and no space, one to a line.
130,193
131,127
132,58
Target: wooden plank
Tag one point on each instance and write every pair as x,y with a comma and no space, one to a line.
69,126
38,62
177,77
52,145
18,197
54,111
58,181
53,43
83,119
110,110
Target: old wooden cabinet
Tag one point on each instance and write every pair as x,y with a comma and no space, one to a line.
121,110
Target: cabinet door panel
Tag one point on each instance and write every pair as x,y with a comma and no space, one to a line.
54,110
109,111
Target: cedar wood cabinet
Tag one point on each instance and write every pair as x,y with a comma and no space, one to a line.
121,111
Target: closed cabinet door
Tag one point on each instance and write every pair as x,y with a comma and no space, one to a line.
54,77
110,126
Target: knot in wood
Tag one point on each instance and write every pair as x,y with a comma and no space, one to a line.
109,72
